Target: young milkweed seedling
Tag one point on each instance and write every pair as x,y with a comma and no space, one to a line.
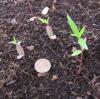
19,48
48,28
80,40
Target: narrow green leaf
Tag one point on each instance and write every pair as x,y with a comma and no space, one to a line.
73,26
82,43
44,21
82,31
76,53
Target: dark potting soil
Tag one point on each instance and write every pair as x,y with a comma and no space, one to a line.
19,80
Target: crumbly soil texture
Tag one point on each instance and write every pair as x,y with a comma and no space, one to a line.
18,78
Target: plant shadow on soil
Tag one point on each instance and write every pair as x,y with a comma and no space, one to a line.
19,80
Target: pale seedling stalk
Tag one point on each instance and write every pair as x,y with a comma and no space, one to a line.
19,48
81,41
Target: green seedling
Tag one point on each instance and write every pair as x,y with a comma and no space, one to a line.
48,28
14,41
44,21
19,48
76,32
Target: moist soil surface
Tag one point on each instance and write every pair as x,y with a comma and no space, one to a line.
18,78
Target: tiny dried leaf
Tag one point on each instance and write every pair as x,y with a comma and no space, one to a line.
31,47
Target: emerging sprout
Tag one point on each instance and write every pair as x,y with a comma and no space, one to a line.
45,10
48,28
42,65
78,34
19,48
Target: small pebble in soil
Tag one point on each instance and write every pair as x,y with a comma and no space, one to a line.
13,21
31,47
0,53
54,77
2,83
53,37
78,97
